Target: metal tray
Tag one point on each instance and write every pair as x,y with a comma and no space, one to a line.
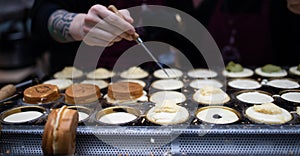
241,138
168,140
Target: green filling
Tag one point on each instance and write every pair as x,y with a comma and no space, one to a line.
270,68
234,67
298,67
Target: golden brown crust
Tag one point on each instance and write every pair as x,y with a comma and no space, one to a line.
42,93
47,138
82,94
60,140
66,133
125,91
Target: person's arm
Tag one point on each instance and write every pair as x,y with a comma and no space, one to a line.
59,26
40,13
99,27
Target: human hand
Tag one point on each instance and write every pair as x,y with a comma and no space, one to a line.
102,27
294,6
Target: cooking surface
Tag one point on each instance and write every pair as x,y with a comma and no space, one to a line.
190,138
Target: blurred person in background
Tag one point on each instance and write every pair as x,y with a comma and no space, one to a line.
251,32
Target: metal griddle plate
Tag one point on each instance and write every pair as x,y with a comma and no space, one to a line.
241,138
146,140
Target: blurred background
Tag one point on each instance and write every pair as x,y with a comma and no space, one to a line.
16,59
250,32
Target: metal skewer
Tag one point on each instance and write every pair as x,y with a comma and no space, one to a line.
137,38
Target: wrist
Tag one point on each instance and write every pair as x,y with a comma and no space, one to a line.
59,26
76,27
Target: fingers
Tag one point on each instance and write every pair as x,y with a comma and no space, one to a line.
100,24
112,18
104,26
101,34
98,37
93,41
113,29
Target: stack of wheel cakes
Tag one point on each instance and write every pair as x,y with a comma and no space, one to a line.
59,135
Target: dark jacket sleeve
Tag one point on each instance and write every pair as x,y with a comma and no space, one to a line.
41,11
